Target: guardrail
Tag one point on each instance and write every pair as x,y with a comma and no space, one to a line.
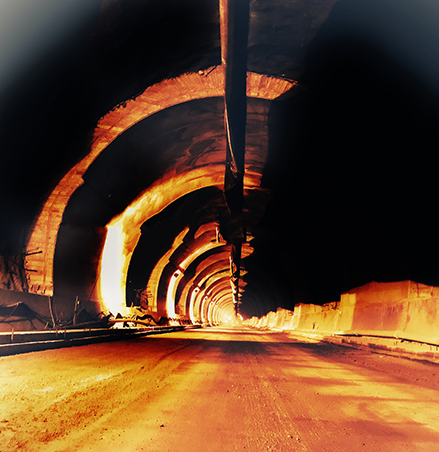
395,343
381,334
400,335
31,341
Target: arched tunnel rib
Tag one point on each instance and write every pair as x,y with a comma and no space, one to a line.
99,199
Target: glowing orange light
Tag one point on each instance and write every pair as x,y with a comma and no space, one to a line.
170,296
155,98
111,271
127,225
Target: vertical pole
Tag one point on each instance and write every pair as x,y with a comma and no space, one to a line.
51,312
74,311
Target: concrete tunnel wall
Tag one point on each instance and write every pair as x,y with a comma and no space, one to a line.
403,309
41,305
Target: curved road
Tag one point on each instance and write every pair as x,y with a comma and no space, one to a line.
217,390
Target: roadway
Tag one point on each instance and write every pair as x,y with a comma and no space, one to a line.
217,390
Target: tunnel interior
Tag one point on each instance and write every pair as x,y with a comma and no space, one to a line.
340,178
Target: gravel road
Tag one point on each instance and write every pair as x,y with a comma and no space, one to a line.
217,390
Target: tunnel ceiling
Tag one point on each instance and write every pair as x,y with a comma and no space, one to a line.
345,189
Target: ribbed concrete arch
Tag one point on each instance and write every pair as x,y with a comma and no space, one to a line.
201,290
213,281
212,242
221,264
223,310
173,273
218,286
152,201
154,279
204,296
198,297
207,83
218,259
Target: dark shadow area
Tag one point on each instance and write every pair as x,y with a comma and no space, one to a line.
50,108
352,155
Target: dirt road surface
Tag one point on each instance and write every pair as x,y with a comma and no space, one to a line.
217,390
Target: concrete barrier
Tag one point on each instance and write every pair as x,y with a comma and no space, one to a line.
404,310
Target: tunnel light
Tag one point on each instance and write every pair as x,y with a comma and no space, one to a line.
170,295
161,194
203,302
191,305
209,313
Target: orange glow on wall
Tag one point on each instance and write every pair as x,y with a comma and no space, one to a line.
154,279
191,305
198,252
155,98
111,274
170,295
152,201
200,304
211,293
160,195
225,312
196,305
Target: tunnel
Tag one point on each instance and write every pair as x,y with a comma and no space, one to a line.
256,163
114,144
